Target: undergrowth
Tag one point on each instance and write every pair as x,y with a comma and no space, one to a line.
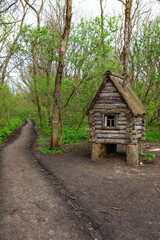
8,127
153,134
148,156
71,136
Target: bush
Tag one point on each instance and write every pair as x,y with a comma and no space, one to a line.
9,127
153,134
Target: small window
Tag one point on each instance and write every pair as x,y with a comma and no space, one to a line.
109,121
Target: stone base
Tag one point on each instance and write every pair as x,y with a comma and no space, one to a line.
132,154
98,151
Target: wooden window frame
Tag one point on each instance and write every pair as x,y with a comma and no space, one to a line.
115,121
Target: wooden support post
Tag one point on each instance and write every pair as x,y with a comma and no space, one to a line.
98,151
132,154
140,147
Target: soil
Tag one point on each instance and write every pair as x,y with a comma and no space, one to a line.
66,196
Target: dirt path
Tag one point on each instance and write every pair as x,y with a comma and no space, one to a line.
31,208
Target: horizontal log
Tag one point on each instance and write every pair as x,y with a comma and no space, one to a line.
97,114
109,83
98,123
109,89
112,136
122,122
137,136
99,118
139,124
110,106
138,127
122,114
110,101
139,119
110,98
110,131
109,94
122,118
111,141
99,126
107,111
121,127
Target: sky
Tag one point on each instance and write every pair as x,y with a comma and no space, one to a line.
91,8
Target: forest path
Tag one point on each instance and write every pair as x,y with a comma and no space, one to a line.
31,208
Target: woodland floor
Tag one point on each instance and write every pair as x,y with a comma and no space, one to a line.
66,196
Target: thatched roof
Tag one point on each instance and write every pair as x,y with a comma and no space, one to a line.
131,99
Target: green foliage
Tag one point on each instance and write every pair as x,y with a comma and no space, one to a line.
72,137
8,128
153,134
148,156
45,150
144,56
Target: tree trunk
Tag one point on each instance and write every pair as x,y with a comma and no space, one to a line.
57,91
102,29
35,86
127,34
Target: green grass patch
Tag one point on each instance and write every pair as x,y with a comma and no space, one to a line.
45,150
148,156
71,136
7,128
153,134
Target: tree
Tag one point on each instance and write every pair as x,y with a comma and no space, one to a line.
58,80
9,36
144,59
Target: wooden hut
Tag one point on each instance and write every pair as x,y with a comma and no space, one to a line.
116,116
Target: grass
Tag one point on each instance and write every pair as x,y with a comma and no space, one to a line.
8,127
70,135
45,150
153,134
148,156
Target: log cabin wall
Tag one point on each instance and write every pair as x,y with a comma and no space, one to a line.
109,102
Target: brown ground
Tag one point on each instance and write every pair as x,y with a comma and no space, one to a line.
66,196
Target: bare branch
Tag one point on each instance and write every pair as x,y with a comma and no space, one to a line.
36,11
9,7
122,2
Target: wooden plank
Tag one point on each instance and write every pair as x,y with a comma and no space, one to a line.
99,118
112,136
122,127
97,114
111,141
139,124
108,101
109,89
111,98
138,127
109,94
137,136
122,118
110,106
117,110
122,114
98,123
139,119
109,84
110,131
122,123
